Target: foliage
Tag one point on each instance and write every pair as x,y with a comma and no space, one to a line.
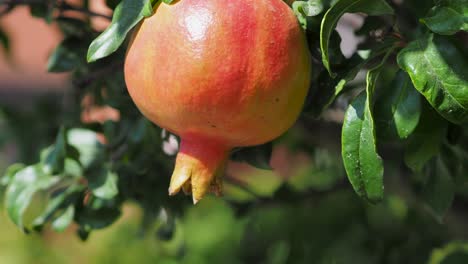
408,115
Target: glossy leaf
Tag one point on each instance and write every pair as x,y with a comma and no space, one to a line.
438,70
126,15
362,163
398,107
449,18
439,190
331,17
21,190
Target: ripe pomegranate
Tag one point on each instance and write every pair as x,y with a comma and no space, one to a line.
220,74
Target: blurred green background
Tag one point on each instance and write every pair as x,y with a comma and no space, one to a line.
311,215
336,228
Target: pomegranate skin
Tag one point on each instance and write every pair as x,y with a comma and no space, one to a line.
219,74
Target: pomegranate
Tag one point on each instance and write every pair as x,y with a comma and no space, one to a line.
220,74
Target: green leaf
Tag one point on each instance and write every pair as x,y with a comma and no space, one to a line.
62,222
257,156
331,17
426,140
10,173
126,15
304,9
72,168
21,190
449,18
398,108
313,7
438,70
67,56
362,163
87,143
63,199
103,183
439,190
54,160
300,14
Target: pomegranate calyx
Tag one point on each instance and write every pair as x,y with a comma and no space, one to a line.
199,168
